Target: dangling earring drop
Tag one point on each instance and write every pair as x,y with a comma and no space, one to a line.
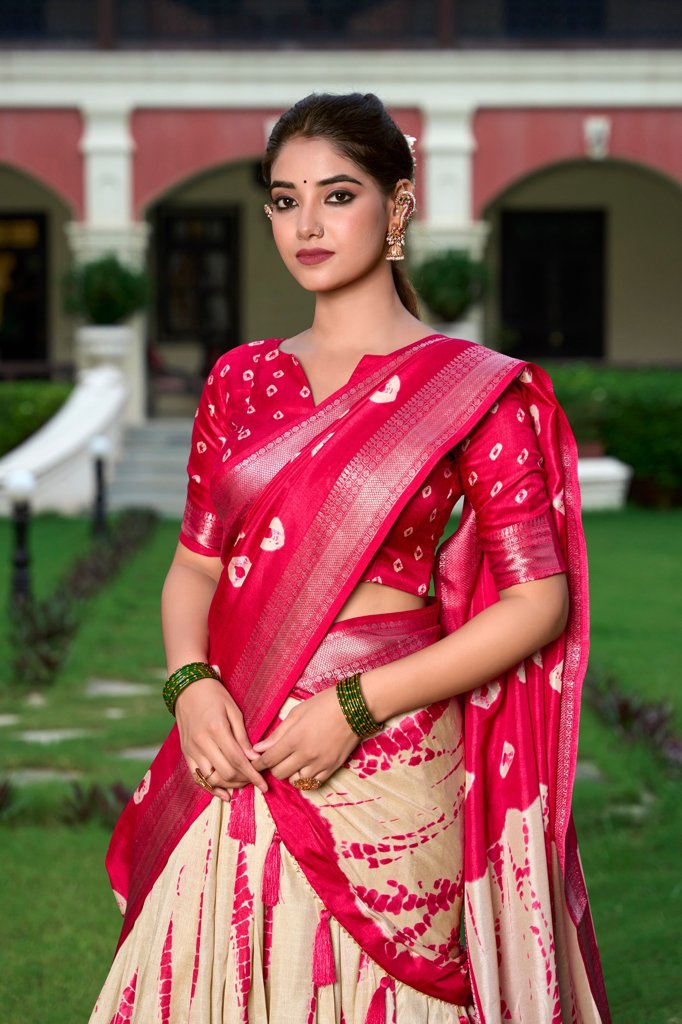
406,203
396,241
268,211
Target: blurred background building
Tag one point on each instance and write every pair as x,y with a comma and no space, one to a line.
549,140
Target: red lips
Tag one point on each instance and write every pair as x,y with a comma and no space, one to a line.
311,256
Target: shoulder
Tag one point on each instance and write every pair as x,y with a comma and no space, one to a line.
499,361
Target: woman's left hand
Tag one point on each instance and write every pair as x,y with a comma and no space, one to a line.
312,742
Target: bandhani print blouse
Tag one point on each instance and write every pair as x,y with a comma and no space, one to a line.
256,388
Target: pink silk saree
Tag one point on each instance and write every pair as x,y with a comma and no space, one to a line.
337,479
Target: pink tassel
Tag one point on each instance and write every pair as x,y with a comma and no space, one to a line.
376,1011
324,968
242,823
271,873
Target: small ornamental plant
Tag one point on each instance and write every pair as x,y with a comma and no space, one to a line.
105,291
450,283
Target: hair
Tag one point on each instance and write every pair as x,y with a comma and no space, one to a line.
360,128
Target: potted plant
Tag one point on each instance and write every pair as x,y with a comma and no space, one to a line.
450,283
105,292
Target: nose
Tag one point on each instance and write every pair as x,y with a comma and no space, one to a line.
308,224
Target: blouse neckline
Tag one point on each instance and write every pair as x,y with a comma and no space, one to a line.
368,355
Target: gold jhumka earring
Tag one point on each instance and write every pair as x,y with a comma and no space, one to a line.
406,203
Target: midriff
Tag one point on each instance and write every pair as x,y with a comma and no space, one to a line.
377,599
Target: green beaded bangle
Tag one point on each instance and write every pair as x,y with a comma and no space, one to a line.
354,708
182,677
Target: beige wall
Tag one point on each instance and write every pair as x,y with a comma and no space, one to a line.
643,249
273,305
21,194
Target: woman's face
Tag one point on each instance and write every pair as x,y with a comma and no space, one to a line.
329,216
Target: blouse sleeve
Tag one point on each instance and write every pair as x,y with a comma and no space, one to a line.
201,526
500,468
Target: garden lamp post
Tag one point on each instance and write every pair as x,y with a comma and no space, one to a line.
20,487
100,449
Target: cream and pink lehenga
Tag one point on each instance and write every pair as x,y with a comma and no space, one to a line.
435,877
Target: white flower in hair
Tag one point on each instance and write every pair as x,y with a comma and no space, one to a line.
410,139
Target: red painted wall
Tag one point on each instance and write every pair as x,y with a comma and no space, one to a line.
173,145
512,143
44,143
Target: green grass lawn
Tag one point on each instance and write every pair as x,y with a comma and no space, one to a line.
59,924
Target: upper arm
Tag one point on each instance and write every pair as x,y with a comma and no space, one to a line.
547,598
501,473
201,530
208,565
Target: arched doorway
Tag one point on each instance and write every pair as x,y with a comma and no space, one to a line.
34,254
585,259
218,280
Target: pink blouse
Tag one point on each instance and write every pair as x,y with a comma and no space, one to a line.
256,388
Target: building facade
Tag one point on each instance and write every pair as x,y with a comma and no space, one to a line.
556,157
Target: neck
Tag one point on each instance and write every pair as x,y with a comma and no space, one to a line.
365,316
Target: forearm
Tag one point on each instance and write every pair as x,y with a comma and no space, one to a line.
490,643
185,599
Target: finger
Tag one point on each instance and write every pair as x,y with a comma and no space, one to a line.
234,717
275,736
289,766
242,766
274,755
309,773
232,766
224,794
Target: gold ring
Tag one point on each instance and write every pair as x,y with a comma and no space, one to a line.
307,783
207,777
201,779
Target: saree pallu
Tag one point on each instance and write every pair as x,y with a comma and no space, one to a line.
336,482
234,931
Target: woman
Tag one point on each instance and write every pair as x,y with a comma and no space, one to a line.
388,766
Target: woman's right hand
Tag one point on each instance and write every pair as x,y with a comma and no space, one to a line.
212,735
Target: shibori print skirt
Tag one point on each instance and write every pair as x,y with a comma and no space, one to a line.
233,931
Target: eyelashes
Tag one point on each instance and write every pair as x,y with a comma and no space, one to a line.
339,197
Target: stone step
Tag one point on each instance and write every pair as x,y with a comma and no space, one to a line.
152,472
145,461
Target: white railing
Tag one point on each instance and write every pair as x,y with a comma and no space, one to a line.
59,455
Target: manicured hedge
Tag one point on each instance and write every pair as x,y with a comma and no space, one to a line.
636,414
26,405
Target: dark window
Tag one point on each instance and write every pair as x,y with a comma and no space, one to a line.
554,18
339,24
197,260
553,282
23,287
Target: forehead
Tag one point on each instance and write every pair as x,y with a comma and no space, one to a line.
313,159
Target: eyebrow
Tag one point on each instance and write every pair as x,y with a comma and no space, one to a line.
335,180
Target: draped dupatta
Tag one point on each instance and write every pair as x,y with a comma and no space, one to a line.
337,481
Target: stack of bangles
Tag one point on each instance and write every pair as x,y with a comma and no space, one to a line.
354,708
182,677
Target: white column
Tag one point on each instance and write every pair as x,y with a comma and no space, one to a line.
447,167
107,149
447,155
107,146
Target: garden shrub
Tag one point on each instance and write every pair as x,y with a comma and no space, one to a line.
41,631
26,405
100,803
636,413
